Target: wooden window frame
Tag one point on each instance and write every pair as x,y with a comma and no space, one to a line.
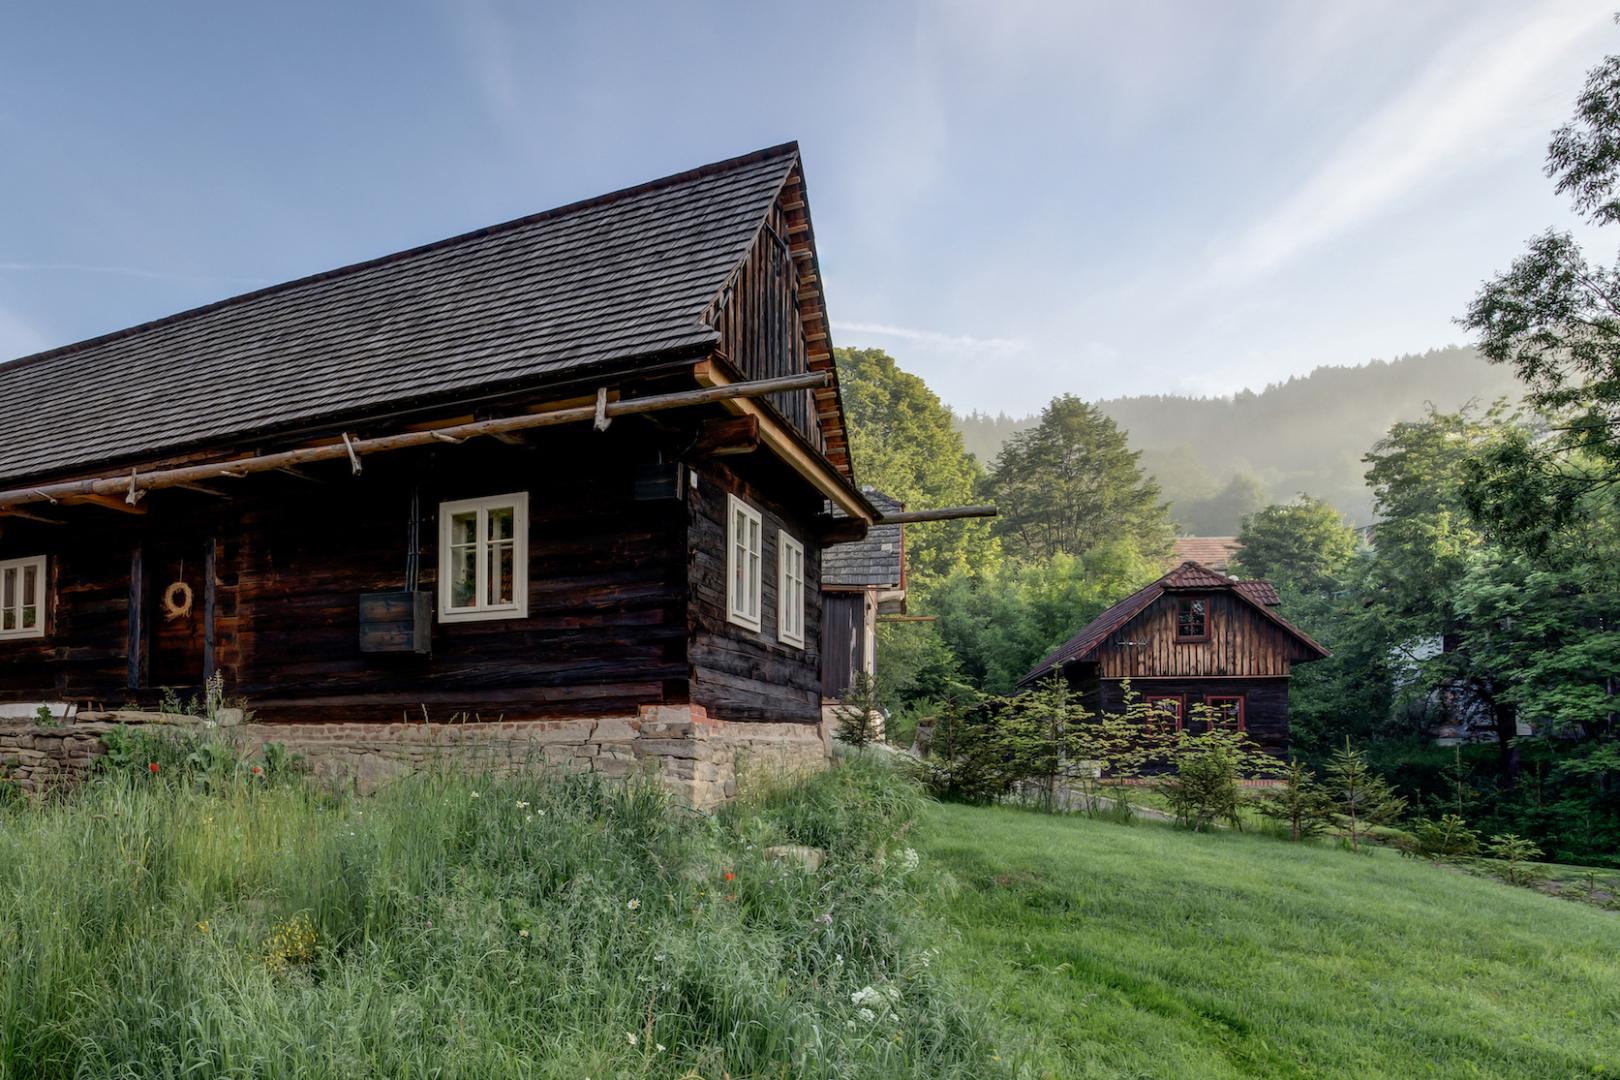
746,607
482,610
1212,701
789,590
1179,699
1180,600
41,603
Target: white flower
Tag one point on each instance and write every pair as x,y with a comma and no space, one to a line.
850,1024
523,933
658,958
909,859
631,1036
522,805
475,795
868,1015
866,995
661,1048
633,905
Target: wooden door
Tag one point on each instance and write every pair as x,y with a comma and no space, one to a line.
177,569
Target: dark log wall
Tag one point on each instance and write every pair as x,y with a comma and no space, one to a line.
738,673
1265,701
1241,642
607,626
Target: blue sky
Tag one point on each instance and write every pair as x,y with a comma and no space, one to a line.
1016,199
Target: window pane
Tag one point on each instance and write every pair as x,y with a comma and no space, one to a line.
8,589
464,527
463,575
30,573
501,589
500,523
29,616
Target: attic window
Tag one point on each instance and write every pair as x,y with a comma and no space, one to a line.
484,558
1192,619
22,598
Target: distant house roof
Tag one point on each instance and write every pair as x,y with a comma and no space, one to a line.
876,561
1214,552
1188,576
608,285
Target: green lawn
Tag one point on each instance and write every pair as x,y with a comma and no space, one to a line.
1137,951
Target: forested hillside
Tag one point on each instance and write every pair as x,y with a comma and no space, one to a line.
1218,458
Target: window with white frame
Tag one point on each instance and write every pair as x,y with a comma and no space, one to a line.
22,597
790,589
745,545
484,558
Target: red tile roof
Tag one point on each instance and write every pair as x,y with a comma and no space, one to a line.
1214,552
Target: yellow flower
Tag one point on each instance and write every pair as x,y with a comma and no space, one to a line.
203,926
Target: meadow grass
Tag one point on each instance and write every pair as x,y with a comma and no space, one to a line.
1149,951
458,926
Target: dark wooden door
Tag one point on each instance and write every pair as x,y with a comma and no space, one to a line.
176,569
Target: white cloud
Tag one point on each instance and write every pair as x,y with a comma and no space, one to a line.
935,339
1479,98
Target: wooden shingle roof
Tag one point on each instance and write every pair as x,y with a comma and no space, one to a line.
877,560
1188,576
1214,552
609,285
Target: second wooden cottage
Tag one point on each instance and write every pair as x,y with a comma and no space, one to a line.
568,473
1193,637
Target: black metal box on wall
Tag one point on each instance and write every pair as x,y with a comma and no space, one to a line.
396,622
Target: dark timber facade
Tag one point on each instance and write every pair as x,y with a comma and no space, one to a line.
579,570
1193,638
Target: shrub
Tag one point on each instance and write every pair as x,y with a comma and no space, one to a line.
858,716
1447,837
1299,803
1363,797
1516,856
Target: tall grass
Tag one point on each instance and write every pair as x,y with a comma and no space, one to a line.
529,926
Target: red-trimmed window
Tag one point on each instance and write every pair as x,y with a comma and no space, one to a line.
1171,707
1226,712
1192,618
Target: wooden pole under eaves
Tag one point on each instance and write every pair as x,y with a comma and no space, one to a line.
947,513
133,485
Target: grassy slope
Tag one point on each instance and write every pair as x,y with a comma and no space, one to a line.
1147,951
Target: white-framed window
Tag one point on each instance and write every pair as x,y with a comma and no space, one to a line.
745,545
484,558
22,597
789,589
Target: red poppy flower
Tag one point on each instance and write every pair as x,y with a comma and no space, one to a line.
257,771
730,876
152,768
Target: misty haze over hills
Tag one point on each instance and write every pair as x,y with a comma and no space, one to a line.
1220,458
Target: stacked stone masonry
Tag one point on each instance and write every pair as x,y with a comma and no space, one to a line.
697,758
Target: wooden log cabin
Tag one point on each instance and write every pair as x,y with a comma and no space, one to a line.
1193,637
571,467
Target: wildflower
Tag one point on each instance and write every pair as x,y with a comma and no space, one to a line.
522,805
866,995
658,958
633,905
631,1036
202,927
730,876
475,795
523,933
257,771
850,1024
661,1048
868,1015
825,920
838,958
909,859
152,767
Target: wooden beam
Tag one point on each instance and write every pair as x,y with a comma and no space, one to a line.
137,484
821,473
734,435
949,513
840,530
106,502
907,618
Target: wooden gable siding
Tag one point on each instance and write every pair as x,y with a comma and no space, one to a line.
1241,642
739,673
761,330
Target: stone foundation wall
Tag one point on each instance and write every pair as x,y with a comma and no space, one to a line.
695,757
